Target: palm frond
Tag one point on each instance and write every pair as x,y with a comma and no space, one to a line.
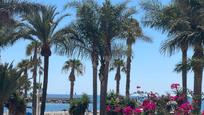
31,47
10,81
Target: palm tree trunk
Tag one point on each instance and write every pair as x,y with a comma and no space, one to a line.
72,90
95,65
45,82
1,107
104,77
34,100
117,87
198,71
128,69
101,74
184,71
117,78
26,85
72,79
104,85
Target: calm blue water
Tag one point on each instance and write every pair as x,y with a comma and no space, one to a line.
61,107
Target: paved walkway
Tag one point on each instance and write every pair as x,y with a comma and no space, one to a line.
59,113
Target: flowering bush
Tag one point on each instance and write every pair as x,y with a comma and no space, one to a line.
127,110
151,104
148,106
119,105
185,108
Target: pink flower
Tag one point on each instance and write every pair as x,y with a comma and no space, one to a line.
108,108
117,109
127,110
148,105
202,112
151,106
175,86
145,102
173,98
185,107
138,110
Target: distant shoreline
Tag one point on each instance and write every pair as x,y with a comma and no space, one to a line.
59,98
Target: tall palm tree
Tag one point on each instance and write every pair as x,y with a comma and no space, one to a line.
42,25
75,67
10,81
169,19
34,49
187,28
132,32
167,46
86,29
119,65
112,18
117,62
24,66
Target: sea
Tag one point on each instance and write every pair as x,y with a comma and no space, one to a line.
61,106
64,106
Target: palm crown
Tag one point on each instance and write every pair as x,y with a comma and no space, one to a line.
75,65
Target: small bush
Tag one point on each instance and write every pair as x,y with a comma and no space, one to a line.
79,106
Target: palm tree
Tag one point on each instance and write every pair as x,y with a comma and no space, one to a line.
86,29
10,81
42,25
75,67
119,65
117,62
112,18
187,28
170,47
132,32
165,18
16,104
24,66
34,49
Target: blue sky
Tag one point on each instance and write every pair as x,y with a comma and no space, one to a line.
150,69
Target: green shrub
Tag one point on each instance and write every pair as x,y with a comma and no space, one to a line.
78,106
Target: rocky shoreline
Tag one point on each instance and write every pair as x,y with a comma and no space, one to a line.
53,100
